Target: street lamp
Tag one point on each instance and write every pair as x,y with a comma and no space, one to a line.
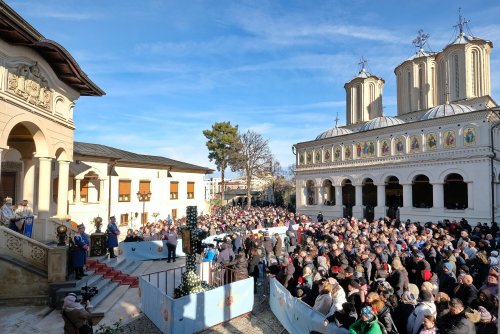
143,197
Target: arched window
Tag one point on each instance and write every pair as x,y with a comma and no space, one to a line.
457,77
329,191
409,87
422,192
310,196
421,88
348,197
455,192
476,73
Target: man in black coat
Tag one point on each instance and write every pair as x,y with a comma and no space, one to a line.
467,292
455,321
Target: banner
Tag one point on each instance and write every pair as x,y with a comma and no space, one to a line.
28,226
296,316
148,250
195,312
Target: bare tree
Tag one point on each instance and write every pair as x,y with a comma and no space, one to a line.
254,159
278,183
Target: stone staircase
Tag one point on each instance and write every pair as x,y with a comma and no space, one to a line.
115,270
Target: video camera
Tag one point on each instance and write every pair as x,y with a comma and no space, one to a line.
88,293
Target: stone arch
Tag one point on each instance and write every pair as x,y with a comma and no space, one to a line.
342,178
422,194
37,132
310,192
415,173
443,174
455,192
328,192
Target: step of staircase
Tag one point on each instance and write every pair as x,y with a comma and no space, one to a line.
110,300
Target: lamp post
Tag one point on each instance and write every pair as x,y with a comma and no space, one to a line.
133,216
143,197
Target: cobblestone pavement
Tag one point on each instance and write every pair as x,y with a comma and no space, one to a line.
260,321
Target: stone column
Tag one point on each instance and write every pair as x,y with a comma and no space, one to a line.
101,191
29,180
470,196
44,181
359,195
357,209
320,195
407,196
338,195
77,190
62,189
380,209
437,195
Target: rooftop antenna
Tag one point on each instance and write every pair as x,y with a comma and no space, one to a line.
461,22
337,120
420,41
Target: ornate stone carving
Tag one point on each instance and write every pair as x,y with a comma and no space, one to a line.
28,83
14,244
38,254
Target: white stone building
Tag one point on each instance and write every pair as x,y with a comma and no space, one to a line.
213,188
172,185
437,159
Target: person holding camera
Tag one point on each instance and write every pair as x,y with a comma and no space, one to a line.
76,315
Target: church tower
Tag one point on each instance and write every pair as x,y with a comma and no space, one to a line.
464,67
416,79
363,96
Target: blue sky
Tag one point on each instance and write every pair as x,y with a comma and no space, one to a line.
172,68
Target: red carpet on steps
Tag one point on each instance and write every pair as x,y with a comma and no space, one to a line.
114,275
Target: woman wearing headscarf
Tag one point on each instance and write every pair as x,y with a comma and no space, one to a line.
75,315
367,323
403,310
323,302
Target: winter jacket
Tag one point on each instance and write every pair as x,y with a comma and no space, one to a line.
278,247
323,303
416,318
399,281
365,327
455,324
338,298
466,293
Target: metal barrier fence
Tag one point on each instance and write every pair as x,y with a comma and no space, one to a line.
214,274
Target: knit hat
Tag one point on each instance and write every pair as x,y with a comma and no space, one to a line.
485,315
368,312
427,274
448,266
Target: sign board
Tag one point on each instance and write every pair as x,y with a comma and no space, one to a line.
28,226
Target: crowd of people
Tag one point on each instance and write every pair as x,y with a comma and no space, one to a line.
382,276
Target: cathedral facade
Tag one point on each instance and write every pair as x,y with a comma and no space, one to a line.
437,159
